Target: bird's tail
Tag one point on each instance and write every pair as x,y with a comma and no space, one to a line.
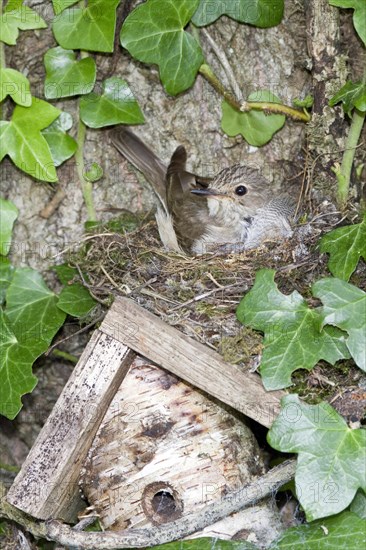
154,171
142,158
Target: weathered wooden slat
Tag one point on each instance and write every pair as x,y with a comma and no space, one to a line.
193,362
47,485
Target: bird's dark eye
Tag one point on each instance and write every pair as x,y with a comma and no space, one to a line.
241,190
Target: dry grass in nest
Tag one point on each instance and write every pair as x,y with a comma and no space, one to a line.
198,295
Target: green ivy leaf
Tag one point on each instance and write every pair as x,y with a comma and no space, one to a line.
28,326
346,245
351,95
256,127
61,5
154,33
22,140
89,28
32,310
358,505
8,215
261,13
62,146
22,18
95,173
65,76
345,307
75,300
359,16
344,531
116,105
294,338
6,274
305,103
13,5
65,273
16,85
207,544
16,376
331,461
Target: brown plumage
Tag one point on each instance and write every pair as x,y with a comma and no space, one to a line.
233,210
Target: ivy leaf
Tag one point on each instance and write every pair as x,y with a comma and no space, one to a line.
207,543
346,245
359,16
358,505
61,5
65,76
62,146
28,326
22,140
345,307
22,18
344,531
261,13
351,95
32,310
8,215
89,28
6,274
94,173
116,105
65,273
305,103
13,5
331,461
294,337
154,33
16,85
256,127
16,376
76,300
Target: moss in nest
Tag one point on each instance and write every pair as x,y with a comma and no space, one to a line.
242,346
324,380
125,222
210,310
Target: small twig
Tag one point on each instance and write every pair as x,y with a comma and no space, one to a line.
54,203
141,538
275,109
221,56
64,355
202,296
112,281
157,296
80,331
265,106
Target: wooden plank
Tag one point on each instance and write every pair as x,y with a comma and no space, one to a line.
193,362
47,485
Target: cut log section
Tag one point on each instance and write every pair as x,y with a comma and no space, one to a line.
165,450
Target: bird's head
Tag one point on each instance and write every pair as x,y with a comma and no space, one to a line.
238,188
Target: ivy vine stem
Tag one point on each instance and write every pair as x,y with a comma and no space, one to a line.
86,186
2,58
343,172
245,106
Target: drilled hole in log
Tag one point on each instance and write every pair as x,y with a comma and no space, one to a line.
161,503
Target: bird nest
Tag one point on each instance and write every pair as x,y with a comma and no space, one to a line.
197,294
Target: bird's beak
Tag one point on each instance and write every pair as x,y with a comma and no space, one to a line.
207,192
